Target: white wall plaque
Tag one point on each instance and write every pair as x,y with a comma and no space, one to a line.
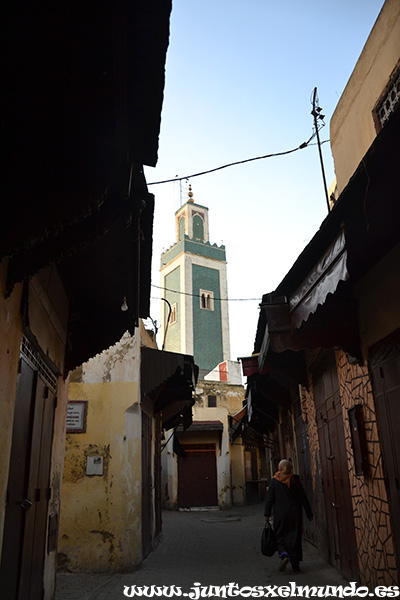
76,416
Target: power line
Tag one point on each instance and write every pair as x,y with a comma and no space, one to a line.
240,162
198,295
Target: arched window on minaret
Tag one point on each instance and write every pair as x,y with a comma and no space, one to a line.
182,228
198,228
206,300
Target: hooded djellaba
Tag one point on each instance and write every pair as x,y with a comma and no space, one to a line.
286,498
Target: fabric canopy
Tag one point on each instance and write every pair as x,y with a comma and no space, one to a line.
321,281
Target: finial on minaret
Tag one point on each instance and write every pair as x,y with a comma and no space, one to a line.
190,194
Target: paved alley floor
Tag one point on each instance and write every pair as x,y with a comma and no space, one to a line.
212,548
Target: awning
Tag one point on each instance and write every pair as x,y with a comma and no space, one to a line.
321,281
250,364
236,423
168,379
262,412
204,426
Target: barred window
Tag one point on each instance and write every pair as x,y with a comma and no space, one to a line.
212,401
389,101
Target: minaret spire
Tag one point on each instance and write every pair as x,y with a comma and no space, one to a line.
190,194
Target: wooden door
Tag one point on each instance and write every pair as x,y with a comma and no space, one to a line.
385,370
197,476
336,485
28,492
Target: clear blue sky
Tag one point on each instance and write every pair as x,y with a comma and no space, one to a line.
239,78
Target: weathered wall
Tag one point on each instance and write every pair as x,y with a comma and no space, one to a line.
352,128
100,527
370,503
48,314
10,342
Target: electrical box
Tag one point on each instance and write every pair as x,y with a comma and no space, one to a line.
94,465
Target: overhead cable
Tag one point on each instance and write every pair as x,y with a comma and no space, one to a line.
198,295
240,162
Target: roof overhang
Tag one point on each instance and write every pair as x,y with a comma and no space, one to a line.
83,117
168,379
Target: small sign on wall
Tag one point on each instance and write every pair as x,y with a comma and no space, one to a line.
76,416
94,465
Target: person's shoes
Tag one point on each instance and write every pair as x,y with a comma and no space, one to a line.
297,569
283,563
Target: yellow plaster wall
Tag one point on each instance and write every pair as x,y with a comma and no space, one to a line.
101,515
10,342
352,128
237,471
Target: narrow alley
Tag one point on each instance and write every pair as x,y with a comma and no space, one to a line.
211,548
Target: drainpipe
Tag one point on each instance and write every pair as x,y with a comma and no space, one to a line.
166,327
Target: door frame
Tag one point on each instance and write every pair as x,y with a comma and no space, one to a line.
21,571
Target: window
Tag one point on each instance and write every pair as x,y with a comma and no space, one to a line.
182,228
388,101
173,317
212,401
198,227
206,300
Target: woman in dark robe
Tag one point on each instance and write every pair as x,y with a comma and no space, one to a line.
287,498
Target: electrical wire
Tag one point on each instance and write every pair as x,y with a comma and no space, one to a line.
240,162
198,295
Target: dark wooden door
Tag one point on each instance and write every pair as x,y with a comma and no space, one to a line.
385,369
147,484
197,476
28,493
336,485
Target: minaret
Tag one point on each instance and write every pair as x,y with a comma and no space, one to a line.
193,280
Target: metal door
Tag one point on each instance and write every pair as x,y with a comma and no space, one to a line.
28,493
304,460
385,370
157,475
147,504
197,476
336,485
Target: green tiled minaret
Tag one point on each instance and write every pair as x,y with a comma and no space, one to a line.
194,281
